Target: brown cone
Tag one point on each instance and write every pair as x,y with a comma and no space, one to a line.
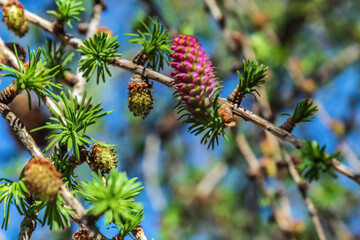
81,234
42,179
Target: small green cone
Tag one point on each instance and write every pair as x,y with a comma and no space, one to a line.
14,18
103,158
140,100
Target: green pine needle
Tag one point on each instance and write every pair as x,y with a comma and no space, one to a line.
72,130
66,166
97,52
67,10
303,112
155,43
211,125
56,215
315,161
12,193
115,199
36,76
56,57
253,76
211,128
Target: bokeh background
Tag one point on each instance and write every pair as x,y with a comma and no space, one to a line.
312,48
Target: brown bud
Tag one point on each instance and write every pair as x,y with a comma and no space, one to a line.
227,115
236,97
288,125
81,234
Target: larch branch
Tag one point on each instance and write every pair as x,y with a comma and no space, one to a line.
79,87
245,114
27,227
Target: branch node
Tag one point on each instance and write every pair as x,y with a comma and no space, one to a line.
288,125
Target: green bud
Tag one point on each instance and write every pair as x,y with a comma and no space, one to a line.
103,158
14,18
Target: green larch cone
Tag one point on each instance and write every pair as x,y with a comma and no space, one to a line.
14,18
42,180
140,100
103,158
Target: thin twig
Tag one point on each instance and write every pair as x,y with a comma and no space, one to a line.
334,65
275,130
221,19
151,172
139,233
282,218
208,183
326,120
7,55
303,190
153,10
79,87
19,129
244,147
215,11
95,20
247,115
27,227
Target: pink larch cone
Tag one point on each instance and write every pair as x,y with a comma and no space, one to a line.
193,74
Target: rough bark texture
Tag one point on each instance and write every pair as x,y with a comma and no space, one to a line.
8,94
